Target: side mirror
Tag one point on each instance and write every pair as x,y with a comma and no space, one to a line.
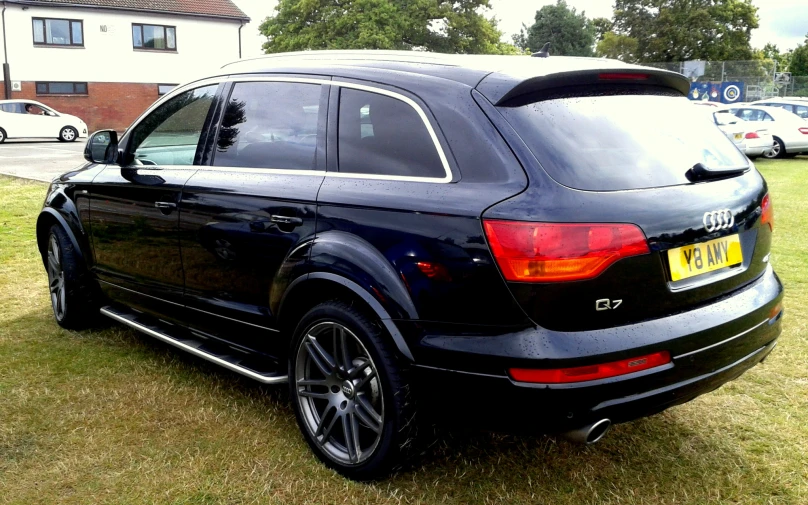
102,147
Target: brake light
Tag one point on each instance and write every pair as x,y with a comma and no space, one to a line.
804,131
752,135
557,252
622,76
767,212
592,372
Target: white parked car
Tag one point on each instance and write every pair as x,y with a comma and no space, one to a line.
755,140
32,119
789,131
797,107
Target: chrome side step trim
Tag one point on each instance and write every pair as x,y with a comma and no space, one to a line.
196,352
730,339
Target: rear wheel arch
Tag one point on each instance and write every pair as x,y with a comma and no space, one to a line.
310,290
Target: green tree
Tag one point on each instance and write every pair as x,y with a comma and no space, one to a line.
679,30
799,60
601,26
618,47
433,25
568,32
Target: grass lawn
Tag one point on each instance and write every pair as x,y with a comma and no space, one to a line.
113,416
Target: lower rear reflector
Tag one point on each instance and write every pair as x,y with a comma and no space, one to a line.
590,372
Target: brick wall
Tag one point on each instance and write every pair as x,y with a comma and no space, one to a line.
107,104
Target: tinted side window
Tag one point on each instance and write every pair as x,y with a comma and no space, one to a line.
381,135
270,125
801,111
170,134
13,108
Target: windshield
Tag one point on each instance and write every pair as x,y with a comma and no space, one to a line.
616,142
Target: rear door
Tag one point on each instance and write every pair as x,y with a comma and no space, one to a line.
134,212
251,212
609,173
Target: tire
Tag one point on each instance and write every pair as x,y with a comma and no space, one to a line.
73,297
68,134
777,152
2,135
368,401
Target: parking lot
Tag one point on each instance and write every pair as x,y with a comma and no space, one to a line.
39,160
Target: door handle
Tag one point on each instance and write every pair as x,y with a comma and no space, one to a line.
285,220
165,207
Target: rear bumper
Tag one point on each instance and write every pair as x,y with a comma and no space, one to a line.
709,345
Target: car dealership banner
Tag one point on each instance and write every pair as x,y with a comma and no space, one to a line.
724,92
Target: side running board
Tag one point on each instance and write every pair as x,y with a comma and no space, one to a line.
196,347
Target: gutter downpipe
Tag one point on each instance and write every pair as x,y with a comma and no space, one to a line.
240,26
6,68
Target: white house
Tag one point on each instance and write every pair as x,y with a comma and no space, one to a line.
107,60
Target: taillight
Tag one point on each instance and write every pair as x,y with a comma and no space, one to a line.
591,372
767,212
622,76
557,252
804,131
752,135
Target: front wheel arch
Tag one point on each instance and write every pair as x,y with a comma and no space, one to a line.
3,135
47,218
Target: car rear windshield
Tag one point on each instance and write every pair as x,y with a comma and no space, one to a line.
618,142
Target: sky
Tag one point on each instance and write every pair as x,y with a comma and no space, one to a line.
783,22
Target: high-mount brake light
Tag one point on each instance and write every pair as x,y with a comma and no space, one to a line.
590,372
558,252
767,212
623,76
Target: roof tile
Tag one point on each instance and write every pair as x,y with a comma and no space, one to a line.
213,8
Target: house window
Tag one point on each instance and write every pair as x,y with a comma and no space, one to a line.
61,88
162,89
58,32
157,37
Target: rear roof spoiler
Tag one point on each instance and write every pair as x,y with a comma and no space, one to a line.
502,87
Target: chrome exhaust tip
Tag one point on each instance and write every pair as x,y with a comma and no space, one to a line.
588,434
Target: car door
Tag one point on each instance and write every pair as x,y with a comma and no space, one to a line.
134,211
247,218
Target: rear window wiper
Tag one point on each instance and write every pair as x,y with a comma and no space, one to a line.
700,172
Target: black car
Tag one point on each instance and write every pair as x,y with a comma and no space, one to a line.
562,241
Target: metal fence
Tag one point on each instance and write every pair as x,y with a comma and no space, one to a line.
760,78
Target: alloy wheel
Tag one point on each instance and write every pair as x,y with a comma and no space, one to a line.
775,151
339,393
56,278
68,134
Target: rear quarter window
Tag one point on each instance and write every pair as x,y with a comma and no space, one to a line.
619,142
382,135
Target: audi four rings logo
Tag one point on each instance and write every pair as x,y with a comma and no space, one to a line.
718,220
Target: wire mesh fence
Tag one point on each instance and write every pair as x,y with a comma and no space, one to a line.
755,79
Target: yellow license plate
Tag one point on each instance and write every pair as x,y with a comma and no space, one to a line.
698,259
738,136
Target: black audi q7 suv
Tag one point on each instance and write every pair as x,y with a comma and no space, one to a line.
565,238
